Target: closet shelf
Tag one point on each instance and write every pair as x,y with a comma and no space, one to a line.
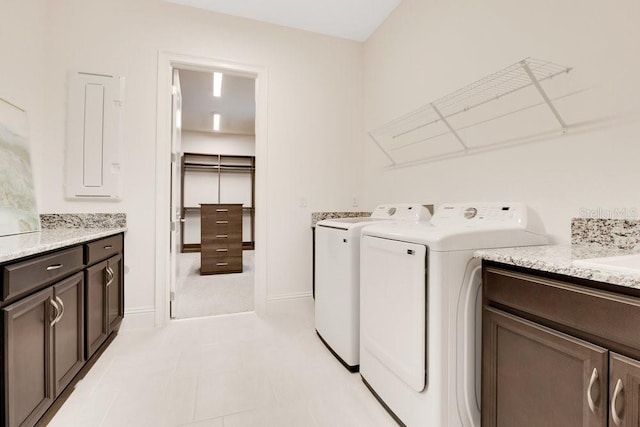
197,208
441,123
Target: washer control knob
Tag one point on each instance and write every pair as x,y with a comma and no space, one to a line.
391,211
470,213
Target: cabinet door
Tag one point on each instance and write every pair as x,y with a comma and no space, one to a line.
96,306
68,333
115,290
534,376
28,358
624,391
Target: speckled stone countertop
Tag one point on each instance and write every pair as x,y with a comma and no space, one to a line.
559,259
319,216
590,238
59,231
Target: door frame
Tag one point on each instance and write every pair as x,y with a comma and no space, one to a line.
166,62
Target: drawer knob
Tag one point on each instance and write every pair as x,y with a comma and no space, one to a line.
54,267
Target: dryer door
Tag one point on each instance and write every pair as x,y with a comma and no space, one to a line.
393,306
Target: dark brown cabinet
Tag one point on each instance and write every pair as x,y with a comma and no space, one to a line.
558,352
28,358
50,306
104,301
68,331
221,238
44,348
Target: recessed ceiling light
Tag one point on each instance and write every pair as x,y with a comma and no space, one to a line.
216,122
217,84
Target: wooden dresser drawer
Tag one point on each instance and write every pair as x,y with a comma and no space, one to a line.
24,276
222,235
214,265
103,248
586,312
223,249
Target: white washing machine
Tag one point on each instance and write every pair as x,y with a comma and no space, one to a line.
337,299
421,308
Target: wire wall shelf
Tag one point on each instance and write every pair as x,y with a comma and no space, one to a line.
478,116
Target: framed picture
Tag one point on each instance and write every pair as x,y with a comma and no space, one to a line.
18,210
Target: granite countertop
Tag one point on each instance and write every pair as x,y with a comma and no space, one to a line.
22,245
558,259
319,216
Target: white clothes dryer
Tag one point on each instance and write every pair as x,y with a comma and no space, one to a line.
337,299
421,306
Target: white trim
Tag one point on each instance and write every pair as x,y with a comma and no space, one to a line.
294,295
167,61
139,310
139,318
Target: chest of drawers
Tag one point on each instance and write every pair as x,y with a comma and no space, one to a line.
221,238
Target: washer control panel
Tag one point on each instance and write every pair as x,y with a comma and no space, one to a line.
472,214
402,212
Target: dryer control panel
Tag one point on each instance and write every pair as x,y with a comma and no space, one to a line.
492,213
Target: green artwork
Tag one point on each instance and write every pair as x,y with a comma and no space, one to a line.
18,211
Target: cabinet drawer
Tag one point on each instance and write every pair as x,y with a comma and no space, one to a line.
224,249
103,248
580,309
211,265
21,277
221,235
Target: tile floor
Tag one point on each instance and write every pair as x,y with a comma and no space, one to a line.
226,371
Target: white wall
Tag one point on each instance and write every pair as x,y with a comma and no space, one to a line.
429,48
209,143
314,112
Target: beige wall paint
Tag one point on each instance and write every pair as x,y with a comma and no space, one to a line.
314,115
429,48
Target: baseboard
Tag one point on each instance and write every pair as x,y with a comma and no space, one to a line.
294,295
139,318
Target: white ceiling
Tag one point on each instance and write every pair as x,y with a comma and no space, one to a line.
236,106
348,19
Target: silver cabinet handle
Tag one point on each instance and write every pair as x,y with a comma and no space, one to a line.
61,308
221,236
54,267
222,210
222,222
222,250
106,248
614,399
109,275
183,220
57,308
594,377
222,264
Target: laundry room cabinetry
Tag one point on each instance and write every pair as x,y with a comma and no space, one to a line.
43,334
558,350
46,317
104,285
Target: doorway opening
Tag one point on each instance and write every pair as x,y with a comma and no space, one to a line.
216,262
210,168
